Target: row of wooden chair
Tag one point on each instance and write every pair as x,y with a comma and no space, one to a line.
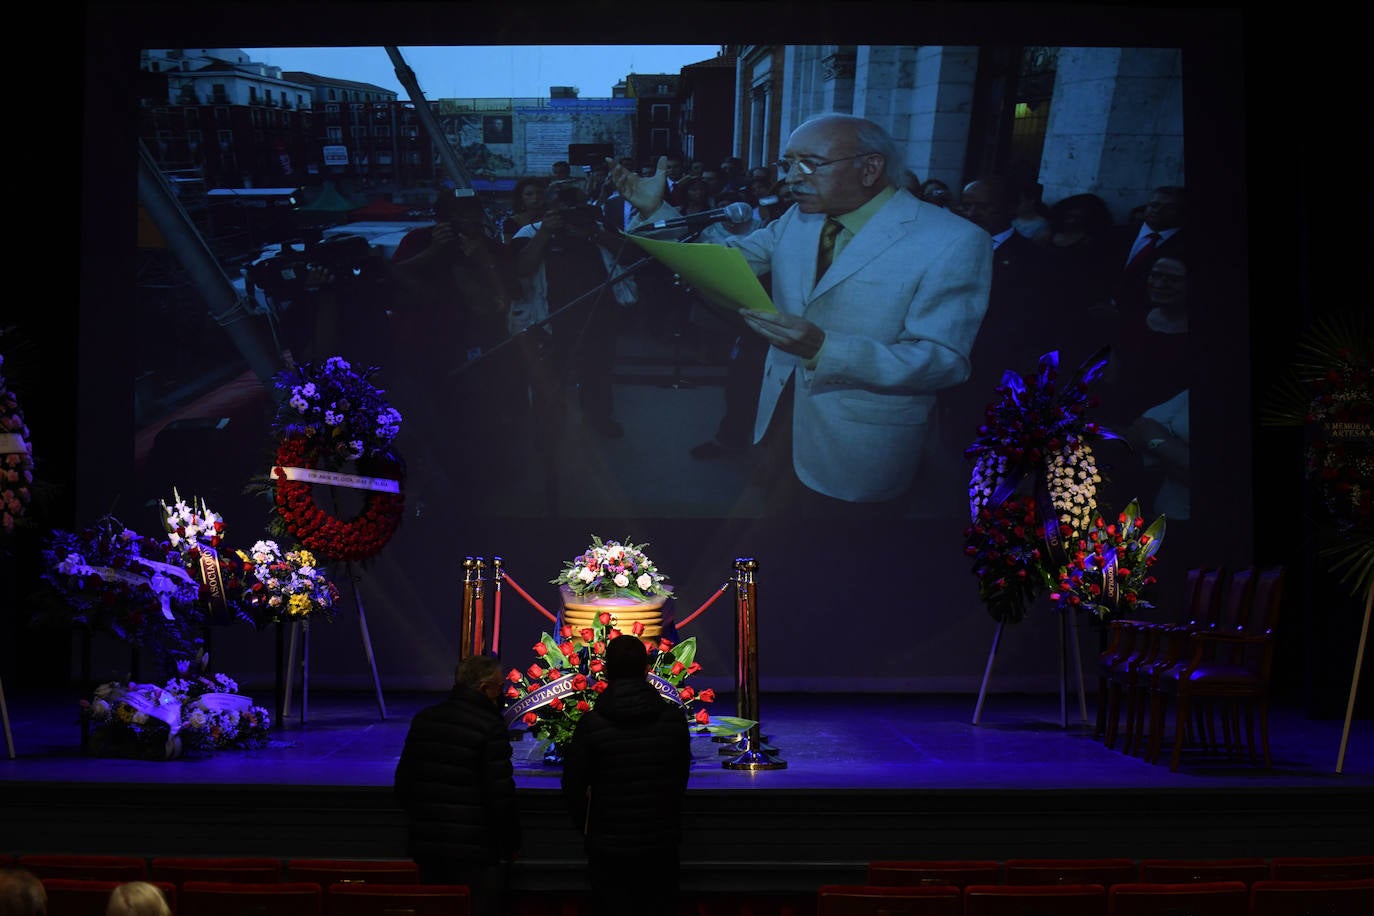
1109,871
77,897
1195,898
1214,661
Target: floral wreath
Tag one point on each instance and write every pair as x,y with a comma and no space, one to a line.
1329,391
1024,542
16,458
552,694
333,416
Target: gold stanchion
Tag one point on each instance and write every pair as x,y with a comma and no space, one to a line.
747,671
470,622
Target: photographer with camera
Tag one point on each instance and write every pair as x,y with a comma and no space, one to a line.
560,259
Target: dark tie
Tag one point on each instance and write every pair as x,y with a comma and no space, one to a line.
1145,251
826,252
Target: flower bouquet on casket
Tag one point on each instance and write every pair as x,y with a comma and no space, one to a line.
551,695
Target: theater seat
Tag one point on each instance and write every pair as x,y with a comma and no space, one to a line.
86,867
78,897
1035,900
242,898
180,869
1103,871
958,872
874,900
1321,868
1180,871
325,872
1303,898
1196,898
388,899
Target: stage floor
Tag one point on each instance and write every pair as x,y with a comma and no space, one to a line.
867,777
856,741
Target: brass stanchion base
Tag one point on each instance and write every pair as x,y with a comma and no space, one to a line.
754,760
742,744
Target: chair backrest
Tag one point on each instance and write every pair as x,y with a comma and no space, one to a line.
325,872
872,900
1182,871
1196,898
1301,898
1320,868
386,899
1206,606
1264,618
86,867
244,898
1035,900
1236,600
85,897
958,872
180,869
1104,871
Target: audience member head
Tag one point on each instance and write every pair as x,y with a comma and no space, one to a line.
1164,209
528,195
693,193
697,167
137,898
934,191
560,170
22,893
1079,216
674,168
482,673
626,657
989,203
837,163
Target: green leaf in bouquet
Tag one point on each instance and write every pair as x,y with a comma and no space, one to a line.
684,652
1155,535
725,726
555,656
1130,514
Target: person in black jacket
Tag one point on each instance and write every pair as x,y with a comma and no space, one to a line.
624,781
456,784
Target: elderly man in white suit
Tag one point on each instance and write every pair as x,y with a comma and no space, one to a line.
861,350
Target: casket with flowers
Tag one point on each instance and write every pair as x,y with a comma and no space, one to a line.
615,576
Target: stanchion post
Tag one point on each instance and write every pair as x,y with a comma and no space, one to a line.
747,671
496,606
479,609
465,615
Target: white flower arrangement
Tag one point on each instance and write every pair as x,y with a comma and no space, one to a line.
1072,478
188,526
613,569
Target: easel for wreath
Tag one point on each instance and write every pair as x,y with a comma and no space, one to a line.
1067,634
753,755
1354,681
287,660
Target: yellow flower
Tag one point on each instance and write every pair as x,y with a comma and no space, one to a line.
299,606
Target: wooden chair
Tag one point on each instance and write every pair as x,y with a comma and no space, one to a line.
325,872
86,867
1320,868
84,897
388,899
1229,670
1134,644
958,872
1103,871
1183,871
1304,898
872,900
249,869
247,898
1195,898
1035,900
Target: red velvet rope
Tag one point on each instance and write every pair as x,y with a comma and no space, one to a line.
538,607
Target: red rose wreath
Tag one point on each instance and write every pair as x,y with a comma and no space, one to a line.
333,416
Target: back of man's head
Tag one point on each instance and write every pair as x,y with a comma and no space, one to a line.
475,669
626,657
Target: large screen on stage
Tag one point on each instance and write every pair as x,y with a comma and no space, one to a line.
1098,124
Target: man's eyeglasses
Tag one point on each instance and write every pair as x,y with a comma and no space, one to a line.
810,166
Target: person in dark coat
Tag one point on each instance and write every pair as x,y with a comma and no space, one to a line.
456,784
624,781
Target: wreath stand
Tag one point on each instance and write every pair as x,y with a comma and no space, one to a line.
5,716
1067,634
1354,681
301,629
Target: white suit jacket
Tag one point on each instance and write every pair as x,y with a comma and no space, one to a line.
900,307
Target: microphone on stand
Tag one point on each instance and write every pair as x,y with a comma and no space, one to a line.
737,212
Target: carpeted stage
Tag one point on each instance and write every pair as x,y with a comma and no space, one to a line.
867,777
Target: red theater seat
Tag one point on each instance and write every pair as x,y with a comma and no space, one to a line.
242,898
325,872
1103,871
1307,898
873,900
1321,868
77,897
387,899
86,867
1180,871
1035,900
180,869
1196,898
959,872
